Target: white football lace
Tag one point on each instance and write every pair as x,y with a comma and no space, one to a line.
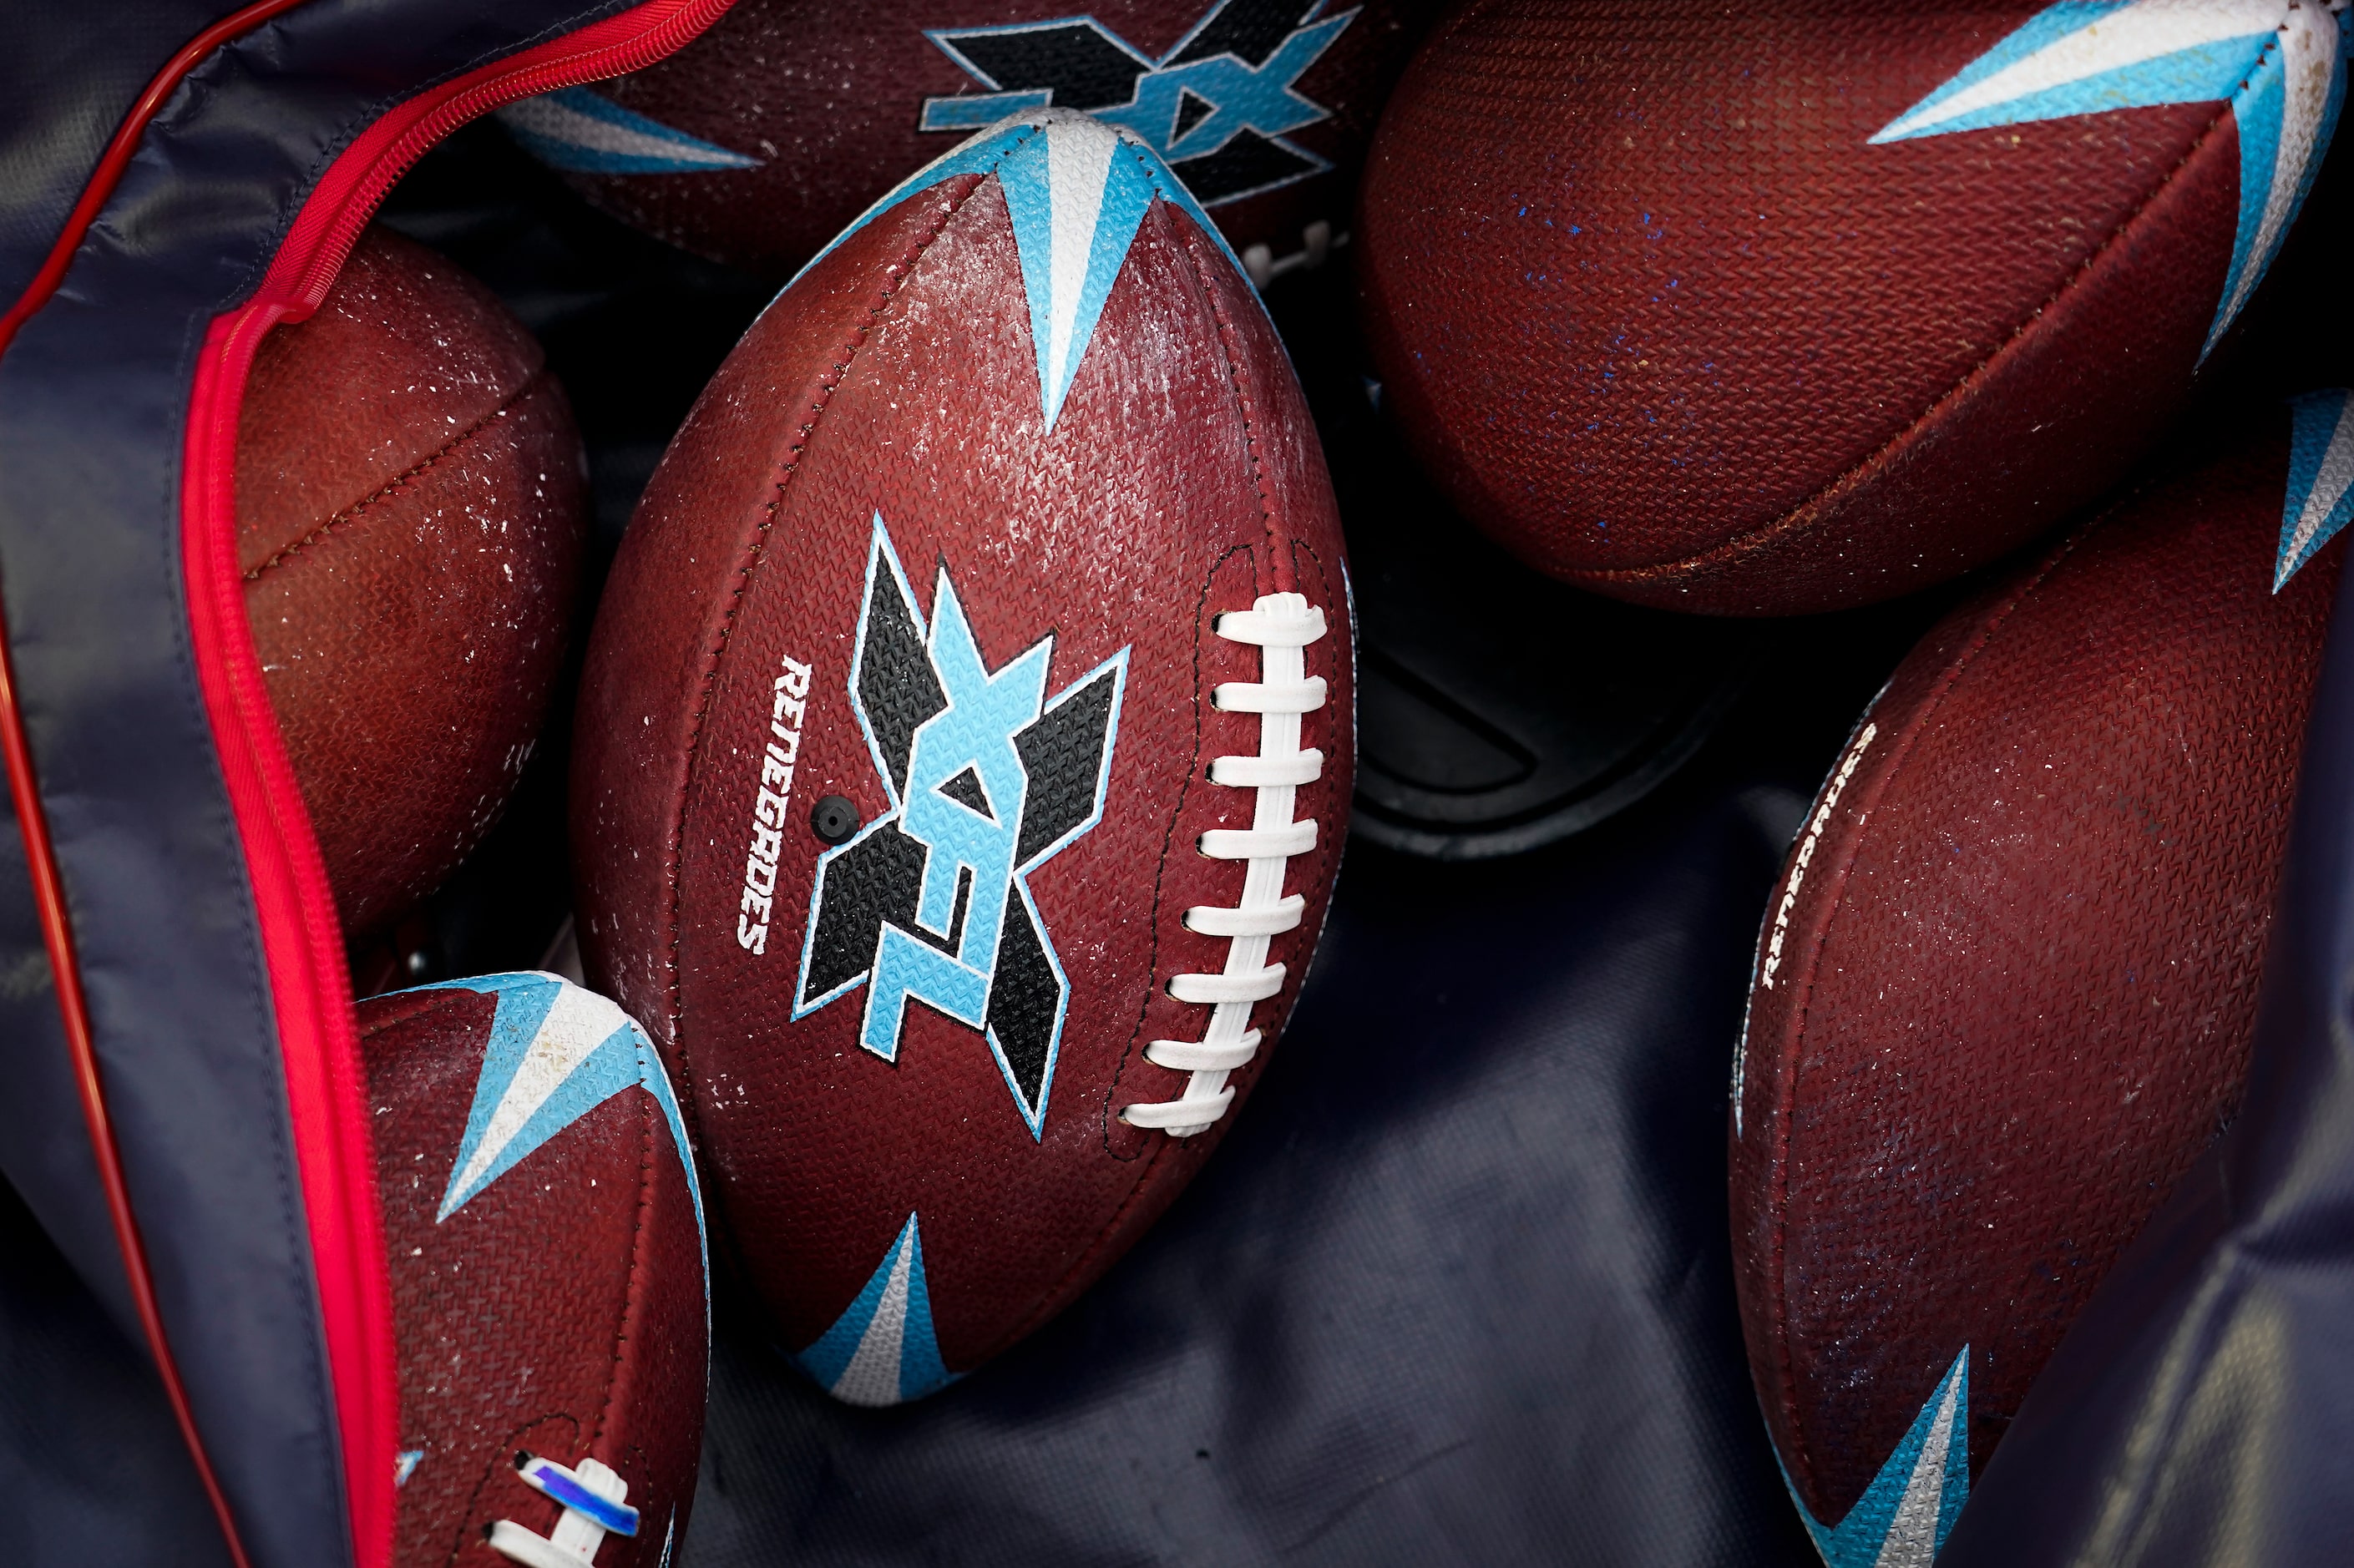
1280,625
593,1507
1317,243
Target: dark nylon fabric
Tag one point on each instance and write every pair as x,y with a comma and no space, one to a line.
93,1469
1455,1290
2206,1395
92,400
67,85
44,1144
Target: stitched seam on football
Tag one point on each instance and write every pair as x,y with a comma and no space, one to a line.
894,279
402,481
428,1001
1799,517
633,1299
1276,533
1243,403
1794,1030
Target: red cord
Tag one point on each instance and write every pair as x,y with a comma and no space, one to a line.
117,157
40,858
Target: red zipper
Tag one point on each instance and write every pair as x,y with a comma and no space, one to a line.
302,940
666,27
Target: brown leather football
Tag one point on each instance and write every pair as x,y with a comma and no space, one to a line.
1801,304
549,1292
2005,987
410,512
963,753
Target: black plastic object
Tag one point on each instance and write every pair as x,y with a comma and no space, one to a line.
1497,709
833,819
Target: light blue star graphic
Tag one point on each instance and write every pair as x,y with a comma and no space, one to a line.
1075,204
1904,1517
2320,493
1076,188
576,129
2280,64
882,1350
557,1052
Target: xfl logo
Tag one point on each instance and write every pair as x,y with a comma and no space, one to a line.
1216,108
988,779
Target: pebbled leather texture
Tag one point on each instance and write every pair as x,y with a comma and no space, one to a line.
2007,984
898,380
1655,312
410,515
559,1310
830,101
2196,1414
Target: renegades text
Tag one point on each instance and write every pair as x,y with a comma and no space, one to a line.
786,711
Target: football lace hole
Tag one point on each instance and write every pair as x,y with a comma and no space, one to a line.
834,819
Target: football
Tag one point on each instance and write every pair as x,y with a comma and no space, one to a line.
757,142
964,747
411,514
1795,306
549,1291
2005,987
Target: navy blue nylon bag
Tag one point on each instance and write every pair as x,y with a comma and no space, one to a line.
183,1117
1456,1289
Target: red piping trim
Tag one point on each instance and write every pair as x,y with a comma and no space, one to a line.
50,899
117,157
302,941
40,857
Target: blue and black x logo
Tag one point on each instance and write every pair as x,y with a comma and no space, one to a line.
988,779
1217,107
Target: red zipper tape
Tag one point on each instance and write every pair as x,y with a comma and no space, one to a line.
302,942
